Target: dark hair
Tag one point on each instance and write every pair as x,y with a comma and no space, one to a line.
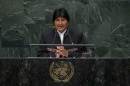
61,12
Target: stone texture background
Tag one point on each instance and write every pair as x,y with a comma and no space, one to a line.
107,23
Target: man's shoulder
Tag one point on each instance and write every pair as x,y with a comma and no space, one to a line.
75,31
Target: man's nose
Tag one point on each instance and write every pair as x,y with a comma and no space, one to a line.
60,22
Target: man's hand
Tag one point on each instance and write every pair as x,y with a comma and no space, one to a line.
61,52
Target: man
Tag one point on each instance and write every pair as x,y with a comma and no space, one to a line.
62,34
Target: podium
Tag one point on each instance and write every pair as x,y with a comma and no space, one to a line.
46,71
37,71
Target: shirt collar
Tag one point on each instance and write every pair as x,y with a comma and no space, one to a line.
62,33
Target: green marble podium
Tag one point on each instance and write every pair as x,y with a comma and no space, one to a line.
36,71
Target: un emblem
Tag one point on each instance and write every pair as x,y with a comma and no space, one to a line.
61,71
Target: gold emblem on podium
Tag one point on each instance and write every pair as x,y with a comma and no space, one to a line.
61,71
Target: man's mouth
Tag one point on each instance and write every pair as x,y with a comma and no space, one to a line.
60,26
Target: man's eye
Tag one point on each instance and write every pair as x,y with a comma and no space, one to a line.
62,19
57,19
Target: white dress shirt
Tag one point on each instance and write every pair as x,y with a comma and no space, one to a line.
61,36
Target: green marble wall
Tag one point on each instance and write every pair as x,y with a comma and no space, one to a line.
107,23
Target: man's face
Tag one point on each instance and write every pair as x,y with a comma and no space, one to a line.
61,24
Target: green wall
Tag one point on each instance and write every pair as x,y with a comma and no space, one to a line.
107,23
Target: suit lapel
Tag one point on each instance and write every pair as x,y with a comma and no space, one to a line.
57,40
67,37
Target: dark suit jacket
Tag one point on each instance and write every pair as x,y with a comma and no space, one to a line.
51,36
